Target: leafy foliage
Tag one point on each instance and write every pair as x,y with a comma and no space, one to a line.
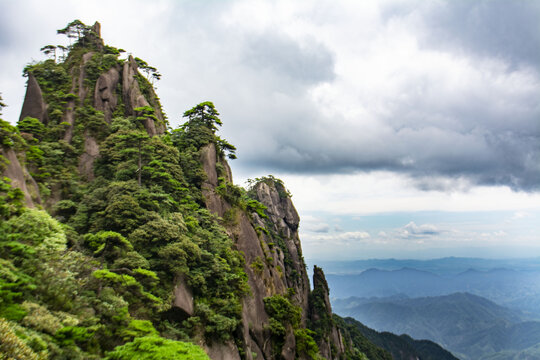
154,348
283,317
2,104
305,344
199,130
10,137
32,126
12,347
11,199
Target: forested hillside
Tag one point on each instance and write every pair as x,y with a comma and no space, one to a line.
470,326
122,238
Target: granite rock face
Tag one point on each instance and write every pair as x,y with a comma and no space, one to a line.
105,98
20,178
77,86
134,98
183,297
34,105
273,257
331,344
87,158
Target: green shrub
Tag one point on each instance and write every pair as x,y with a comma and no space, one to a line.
32,126
257,265
11,346
305,345
156,348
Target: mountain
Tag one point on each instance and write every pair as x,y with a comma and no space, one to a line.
400,347
121,238
517,289
470,326
442,266
375,282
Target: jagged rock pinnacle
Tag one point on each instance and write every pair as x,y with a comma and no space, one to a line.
96,28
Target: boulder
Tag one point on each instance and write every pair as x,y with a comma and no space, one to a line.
183,297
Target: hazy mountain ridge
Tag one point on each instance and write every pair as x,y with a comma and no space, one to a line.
441,266
518,289
470,326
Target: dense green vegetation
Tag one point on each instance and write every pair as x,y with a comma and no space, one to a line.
101,292
97,279
283,315
322,321
395,347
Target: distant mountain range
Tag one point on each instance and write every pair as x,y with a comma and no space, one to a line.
442,266
516,289
400,347
470,326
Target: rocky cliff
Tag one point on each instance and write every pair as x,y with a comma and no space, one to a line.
80,96
72,112
272,251
163,248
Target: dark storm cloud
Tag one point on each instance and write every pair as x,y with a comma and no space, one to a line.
483,130
479,126
502,28
507,156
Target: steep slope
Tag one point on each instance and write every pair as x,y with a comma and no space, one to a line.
399,347
161,243
320,312
468,325
269,241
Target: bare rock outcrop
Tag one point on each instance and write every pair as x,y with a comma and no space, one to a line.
209,160
34,105
76,83
272,253
227,351
134,98
183,297
95,36
330,341
283,222
90,154
20,178
105,99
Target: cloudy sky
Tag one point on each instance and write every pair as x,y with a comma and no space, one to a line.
407,129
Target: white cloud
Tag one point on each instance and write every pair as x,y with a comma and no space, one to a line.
383,192
411,230
345,238
521,215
